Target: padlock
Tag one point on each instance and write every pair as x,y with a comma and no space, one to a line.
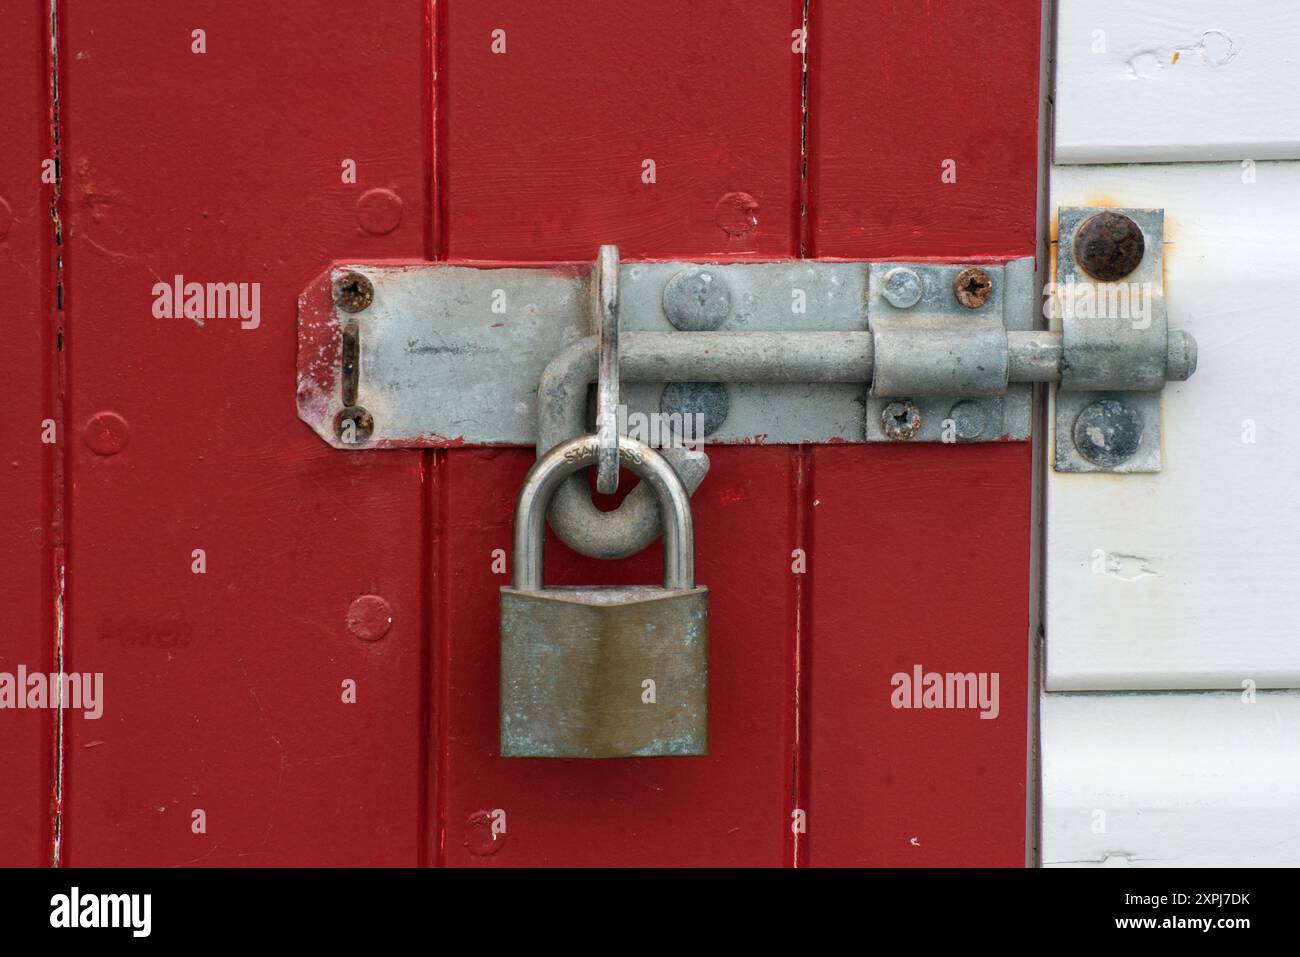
604,672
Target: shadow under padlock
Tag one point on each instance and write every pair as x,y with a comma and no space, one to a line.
604,671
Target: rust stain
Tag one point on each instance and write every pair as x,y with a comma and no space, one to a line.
1177,53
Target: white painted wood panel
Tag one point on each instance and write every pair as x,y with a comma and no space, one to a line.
1177,80
1190,578
1171,780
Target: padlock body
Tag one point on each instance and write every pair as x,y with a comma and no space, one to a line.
605,672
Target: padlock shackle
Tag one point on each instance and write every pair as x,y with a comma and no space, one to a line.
576,454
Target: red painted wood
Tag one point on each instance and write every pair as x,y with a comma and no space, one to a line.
223,691
545,142
543,156
897,88
27,367
920,555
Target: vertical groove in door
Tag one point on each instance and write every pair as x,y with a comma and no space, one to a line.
433,462
800,638
801,504
58,500
438,640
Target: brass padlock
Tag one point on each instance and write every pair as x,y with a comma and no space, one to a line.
604,672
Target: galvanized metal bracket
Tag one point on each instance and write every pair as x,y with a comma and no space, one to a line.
941,351
418,354
1117,348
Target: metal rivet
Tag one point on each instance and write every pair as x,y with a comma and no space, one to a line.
106,433
901,287
969,418
370,617
901,419
352,292
697,300
1108,246
1107,432
363,425
972,287
709,399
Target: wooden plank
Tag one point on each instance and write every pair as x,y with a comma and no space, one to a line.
543,160
1185,578
1171,780
919,556
546,142
223,691
900,90
27,367
1177,81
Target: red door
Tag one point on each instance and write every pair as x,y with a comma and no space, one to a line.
209,550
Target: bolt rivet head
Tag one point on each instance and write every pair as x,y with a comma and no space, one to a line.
1107,432
1108,246
707,399
697,300
970,419
901,287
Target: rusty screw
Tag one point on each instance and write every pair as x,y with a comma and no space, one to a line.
972,287
1108,246
353,292
353,425
900,419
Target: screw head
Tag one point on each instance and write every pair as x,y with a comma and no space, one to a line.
901,419
972,287
901,287
1108,246
697,300
709,399
1107,432
354,425
352,292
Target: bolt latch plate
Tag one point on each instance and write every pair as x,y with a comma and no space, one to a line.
1109,304
419,354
